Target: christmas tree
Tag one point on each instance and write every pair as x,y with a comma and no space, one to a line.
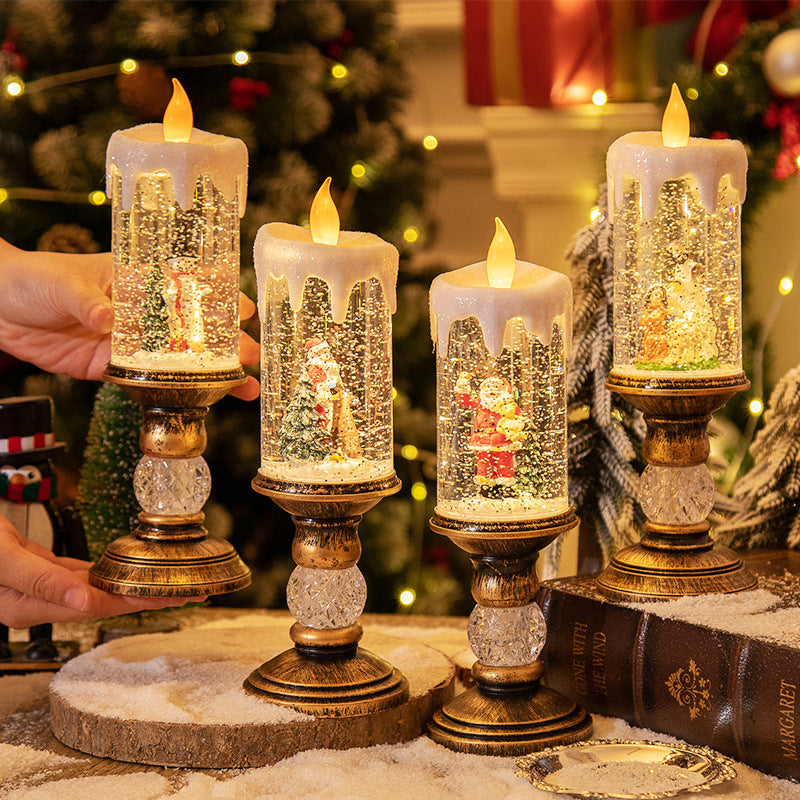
155,316
312,88
528,464
108,506
315,91
605,433
301,435
737,99
768,496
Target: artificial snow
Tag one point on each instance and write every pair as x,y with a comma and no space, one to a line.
19,761
642,156
537,295
195,676
418,770
756,614
181,677
627,777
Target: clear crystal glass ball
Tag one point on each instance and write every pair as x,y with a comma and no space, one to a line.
172,486
326,598
676,495
507,637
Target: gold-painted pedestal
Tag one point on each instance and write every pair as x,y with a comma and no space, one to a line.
326,673
171,556
508,712
675,560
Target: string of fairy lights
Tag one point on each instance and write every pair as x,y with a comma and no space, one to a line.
14,86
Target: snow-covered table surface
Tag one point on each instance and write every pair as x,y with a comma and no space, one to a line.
35,766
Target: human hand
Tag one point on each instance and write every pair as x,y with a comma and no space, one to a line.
249,352
56,313
56,309
37,587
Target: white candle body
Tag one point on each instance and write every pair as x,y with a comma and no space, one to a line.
676,215
175,214
326,357
501,393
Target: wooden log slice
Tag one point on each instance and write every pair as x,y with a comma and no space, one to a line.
176,699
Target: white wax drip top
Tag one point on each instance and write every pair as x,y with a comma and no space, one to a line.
537,295
283,250
642,156
142,149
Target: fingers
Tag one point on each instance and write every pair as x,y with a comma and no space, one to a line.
24,571
102,604
83,290
249,351
37,587
247,391
246,306
18,610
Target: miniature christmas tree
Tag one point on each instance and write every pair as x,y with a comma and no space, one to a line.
301,434
108,506
768,496
155,316
528,460
605,432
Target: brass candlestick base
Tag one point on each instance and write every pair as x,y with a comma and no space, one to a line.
673,560
326,673
170,556
508,712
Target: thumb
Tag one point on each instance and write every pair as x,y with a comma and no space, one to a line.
83,293
90,306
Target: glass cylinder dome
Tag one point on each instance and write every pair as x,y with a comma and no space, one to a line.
676,215
175,214
326,355
501,394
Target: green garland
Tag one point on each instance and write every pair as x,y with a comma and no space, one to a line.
734,103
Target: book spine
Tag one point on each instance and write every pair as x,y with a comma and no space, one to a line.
708,687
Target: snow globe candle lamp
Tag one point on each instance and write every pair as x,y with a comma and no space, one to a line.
325,300
676,204
177,196
501,330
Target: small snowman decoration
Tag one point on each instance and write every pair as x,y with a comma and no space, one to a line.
27,489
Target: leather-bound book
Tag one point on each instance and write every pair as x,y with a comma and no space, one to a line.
718,670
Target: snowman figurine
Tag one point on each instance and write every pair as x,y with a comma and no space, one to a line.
27,489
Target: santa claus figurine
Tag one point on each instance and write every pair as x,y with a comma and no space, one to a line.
27,489
332,399
498,432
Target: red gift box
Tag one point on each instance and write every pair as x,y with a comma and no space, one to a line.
542,52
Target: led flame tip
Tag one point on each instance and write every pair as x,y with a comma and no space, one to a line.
675,122
178,117
502,258
324,217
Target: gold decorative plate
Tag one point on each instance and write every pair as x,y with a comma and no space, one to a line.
616,768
